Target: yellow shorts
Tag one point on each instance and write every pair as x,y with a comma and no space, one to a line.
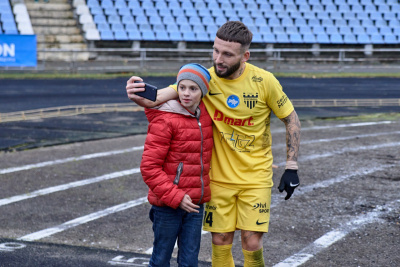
231,209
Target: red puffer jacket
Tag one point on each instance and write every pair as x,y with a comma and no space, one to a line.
177,154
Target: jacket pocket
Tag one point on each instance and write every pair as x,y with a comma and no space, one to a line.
178,173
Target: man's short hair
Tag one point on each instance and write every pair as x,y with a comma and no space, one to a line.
235,31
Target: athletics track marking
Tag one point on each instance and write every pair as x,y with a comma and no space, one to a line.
335,235
115,152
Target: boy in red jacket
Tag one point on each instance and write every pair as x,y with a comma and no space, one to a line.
175,165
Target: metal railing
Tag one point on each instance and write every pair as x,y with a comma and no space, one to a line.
162,59
131,107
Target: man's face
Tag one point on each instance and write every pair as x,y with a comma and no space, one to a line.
227,58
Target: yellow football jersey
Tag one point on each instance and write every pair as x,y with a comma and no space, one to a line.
241,111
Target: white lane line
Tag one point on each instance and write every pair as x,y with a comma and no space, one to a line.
277,199
358,124
81,220
49,190
345,150
114,152
60,161
335,235
324,140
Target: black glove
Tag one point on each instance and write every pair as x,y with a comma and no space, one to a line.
289,181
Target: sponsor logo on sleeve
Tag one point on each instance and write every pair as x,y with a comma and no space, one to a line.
282,101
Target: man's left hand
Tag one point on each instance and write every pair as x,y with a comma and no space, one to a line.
289,181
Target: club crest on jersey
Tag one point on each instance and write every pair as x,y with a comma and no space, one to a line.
233,101
250,100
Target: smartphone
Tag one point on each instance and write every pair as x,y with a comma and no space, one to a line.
150,91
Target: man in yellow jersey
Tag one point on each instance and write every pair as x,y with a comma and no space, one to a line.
240,101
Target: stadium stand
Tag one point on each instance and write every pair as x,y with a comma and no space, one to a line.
297,22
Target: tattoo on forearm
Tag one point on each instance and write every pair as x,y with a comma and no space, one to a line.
292,135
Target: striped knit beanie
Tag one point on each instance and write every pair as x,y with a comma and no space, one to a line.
197,73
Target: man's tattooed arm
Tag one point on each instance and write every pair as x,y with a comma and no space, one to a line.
293,126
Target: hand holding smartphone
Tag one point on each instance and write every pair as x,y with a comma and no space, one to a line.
150,91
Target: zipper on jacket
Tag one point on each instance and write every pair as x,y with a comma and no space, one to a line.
201,159
178,173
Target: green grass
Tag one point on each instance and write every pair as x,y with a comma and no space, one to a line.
167,74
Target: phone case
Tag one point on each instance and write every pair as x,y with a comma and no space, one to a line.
150,91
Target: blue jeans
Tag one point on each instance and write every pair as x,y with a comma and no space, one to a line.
170,224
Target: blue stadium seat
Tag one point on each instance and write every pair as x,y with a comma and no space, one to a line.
264,29
161,6
303,29
107,4
106,35
219,21
172,28
394,23
260,22
202,37
282,38
269,38
123,11
117,27
189,37
336,38
96,10
274,22
144,27
114,19
137,12
363,38
354,23
390,39
127,19
134,35
342,8
100,19
162,36
295,38
103,26
358,30
175,36
147,5
304,7
376,16
370,8
120,35
211,29
385,31
371,30
134,5
390,16
195,21
295,15
318,29
344,30
331,30
309,15
287,22
120,4
340,22
377,39
185,28
155,19
148,35
93,3
168,20
291,29
322,38
110,11
7,18
350,39
10,27
313,22
278,29
327,22
290,8
309,38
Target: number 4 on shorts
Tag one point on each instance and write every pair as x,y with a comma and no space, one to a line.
208,218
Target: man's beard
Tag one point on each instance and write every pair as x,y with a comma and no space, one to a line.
229,70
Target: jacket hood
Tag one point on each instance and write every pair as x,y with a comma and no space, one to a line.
172,106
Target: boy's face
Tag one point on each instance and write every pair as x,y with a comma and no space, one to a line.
189,94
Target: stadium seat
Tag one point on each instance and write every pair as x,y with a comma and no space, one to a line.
269,38
282,38
363,39
295,38
107,35
309,38
134,35
202,37
350,38
322,38
162,36
189,37
336,38
120,35
185,28
291,29
390,39
148,35
377,39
